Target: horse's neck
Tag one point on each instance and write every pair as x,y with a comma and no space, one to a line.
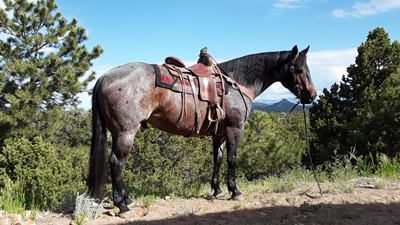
256,72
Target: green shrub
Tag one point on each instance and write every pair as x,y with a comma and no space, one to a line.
269,145
164,164
46,171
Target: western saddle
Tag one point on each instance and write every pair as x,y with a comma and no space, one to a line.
210,82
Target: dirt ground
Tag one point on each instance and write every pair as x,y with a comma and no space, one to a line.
366,205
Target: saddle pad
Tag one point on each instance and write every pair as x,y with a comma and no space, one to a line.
166,80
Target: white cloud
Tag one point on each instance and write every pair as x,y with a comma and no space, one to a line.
326,68
275,92
368,8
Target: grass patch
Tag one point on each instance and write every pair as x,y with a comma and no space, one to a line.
14,199
188,209
237,205
340,189
146,200
291,200
380,184
305,190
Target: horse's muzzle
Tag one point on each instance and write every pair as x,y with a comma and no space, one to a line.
309,97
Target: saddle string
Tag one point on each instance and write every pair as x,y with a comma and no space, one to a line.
184,92
309,154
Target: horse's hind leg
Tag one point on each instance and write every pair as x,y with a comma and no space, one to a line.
121,147
218,152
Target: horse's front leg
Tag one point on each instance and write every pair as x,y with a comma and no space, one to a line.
233,138
121,147
218,152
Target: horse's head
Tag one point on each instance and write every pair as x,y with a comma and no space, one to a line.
297,76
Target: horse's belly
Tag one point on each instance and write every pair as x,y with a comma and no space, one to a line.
172,116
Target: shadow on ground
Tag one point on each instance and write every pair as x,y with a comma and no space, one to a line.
346,214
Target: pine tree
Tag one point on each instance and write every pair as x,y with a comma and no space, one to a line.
42,67
360,111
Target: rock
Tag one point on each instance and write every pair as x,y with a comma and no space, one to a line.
11,218
4,220
17,218
30,222
167,197
2,213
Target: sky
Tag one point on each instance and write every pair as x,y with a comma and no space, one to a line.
148,31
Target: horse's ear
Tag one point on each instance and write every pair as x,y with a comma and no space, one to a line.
306,50
295,53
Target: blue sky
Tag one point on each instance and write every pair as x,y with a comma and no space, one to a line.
148,31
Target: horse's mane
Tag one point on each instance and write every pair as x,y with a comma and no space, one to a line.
247,70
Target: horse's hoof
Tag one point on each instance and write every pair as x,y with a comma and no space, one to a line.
238,198
126,215
218,193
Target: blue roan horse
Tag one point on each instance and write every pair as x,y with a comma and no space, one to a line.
126,97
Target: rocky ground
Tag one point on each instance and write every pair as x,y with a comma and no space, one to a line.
358,201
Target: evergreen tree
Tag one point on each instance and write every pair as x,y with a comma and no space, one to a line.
269,144
42,68
360,112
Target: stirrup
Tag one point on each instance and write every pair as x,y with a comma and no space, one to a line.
218,119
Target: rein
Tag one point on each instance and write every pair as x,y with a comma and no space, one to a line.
307,143
309,154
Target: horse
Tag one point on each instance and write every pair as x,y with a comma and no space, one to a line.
126,97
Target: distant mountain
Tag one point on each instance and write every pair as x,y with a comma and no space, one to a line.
281,106
270,102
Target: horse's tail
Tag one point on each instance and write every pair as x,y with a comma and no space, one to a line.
98,150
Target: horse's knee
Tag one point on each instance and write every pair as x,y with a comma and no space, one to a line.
231,160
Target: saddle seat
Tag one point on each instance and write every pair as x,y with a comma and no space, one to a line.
205,71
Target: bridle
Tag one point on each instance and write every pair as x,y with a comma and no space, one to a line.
296,80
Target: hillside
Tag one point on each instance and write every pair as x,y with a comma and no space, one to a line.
281,106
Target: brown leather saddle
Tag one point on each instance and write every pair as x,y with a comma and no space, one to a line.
204,80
